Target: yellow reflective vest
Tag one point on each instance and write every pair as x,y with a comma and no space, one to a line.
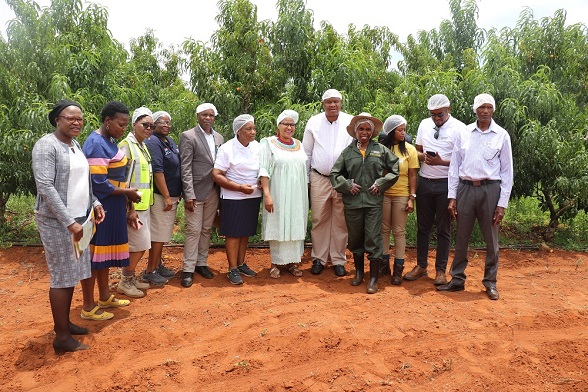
142,177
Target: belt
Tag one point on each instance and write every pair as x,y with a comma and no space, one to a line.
318,172
434,179
478,182
118,184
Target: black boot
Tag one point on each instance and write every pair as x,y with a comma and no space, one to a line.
372,287
385,266
359,264
397,275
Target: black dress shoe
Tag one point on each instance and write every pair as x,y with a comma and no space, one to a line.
451,287
317,267
492,293
68,347
205,272
187,279
340,270
77,330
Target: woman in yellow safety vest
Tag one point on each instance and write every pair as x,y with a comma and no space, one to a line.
138,221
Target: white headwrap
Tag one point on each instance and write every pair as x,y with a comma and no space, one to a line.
482,99
139,112
205,106
393,122
240,121
157,115
332,93
288,114
438,101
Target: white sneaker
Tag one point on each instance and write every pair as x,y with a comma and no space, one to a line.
126,287
140,284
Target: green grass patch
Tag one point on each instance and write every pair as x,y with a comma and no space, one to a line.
523,224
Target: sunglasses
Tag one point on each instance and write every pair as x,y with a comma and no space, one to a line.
436,134
148,126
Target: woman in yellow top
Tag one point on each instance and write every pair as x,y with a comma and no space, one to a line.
399,198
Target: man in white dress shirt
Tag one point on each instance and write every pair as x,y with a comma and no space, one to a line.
434,143
480,182
324,138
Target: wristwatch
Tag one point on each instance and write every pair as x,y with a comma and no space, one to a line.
413,196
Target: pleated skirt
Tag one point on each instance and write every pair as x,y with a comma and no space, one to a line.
238,218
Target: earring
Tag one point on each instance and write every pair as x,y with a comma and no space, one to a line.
107,127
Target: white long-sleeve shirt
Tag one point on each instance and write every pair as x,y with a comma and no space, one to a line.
323,141
443,145
481,155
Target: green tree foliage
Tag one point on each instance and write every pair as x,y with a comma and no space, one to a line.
537,71
65,51
243,53
292,46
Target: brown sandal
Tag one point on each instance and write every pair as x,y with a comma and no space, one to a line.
294,270
274,272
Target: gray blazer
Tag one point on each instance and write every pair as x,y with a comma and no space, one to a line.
197,163
51,172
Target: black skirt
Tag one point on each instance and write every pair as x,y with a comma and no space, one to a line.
238,218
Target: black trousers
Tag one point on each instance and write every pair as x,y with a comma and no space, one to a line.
431,208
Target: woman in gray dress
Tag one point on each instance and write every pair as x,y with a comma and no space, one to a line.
64,201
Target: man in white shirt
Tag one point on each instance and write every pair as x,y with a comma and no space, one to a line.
480,182
198,148
434,144
324,138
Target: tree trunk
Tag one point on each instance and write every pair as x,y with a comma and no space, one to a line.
554,215
553,218
3,200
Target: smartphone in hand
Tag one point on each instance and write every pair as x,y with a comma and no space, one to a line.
431,153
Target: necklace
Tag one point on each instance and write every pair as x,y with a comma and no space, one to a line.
285,142
294,146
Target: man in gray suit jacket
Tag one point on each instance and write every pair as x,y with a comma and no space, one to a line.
198,148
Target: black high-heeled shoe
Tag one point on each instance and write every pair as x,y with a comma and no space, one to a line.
71,346
77,330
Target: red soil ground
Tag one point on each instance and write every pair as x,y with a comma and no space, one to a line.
314,333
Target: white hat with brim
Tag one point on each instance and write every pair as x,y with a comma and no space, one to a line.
365,116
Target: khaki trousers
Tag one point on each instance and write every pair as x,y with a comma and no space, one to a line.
198,224
329,230
394,219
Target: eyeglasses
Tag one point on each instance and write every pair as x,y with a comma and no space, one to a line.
292,125
436,135
165,123
72,119
148,126
439,115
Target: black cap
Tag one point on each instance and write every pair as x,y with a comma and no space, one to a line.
58,108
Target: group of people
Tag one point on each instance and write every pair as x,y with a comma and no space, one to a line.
359,190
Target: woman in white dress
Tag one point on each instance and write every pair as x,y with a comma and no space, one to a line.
282,172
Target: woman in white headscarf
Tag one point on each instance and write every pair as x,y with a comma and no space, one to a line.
167,189
138,215
235,170
285,195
